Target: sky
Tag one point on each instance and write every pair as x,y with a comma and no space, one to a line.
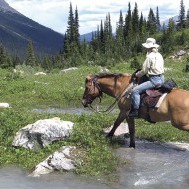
54,13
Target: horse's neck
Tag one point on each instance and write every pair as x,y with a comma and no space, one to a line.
113,87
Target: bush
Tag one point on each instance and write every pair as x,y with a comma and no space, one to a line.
135,64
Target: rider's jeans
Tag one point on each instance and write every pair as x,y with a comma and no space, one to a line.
154,81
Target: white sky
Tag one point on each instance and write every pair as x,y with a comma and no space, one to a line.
54,13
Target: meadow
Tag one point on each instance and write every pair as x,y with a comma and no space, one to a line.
25,91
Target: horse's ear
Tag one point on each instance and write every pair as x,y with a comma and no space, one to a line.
89,77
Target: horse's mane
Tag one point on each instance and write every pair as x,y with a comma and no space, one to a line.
107,75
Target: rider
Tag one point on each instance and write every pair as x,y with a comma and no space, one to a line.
153,67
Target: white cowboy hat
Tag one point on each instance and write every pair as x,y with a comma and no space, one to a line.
150,43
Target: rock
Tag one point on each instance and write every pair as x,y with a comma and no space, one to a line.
102,69
61,160
4,105
68,69
40,73
121,130
42,133
181,53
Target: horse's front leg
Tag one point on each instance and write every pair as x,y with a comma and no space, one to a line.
118,121
131,126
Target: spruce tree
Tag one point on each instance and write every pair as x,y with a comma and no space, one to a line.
136,46
108,34
135,20
76,28
128,32
119,42
70,37
102,48
187,19
128,25
30,58
151,23
158,25
181,21
5,61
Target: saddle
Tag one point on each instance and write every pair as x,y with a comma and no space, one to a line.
151,96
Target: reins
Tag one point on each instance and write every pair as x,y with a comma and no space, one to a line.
125,93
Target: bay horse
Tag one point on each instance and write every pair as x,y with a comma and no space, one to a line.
174,107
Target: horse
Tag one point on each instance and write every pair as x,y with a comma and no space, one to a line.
174,107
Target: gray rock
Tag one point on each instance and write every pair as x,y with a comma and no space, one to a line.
181,53
61,160
42,133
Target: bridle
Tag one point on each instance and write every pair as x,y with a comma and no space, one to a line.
95,85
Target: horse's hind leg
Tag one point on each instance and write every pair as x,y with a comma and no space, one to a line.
118,121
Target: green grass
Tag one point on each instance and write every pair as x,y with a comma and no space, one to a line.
26,91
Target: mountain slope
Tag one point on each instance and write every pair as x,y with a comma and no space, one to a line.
16,30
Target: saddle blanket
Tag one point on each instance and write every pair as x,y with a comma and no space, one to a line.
160,100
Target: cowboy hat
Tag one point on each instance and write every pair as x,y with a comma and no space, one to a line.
150,43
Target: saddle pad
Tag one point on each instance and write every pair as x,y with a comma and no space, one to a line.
160,100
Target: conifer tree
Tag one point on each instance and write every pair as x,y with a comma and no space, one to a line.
5,61
119,38
142,31
119,29
187,19
151,23
158,25
76,28
181,21
128,31
128,25
107,34
102,37
135,20
30,58
135,28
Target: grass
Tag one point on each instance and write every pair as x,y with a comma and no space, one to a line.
25,91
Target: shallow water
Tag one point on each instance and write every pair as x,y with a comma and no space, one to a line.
149,166
50,110
155,166
14,178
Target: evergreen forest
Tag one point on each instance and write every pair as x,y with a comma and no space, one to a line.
107,48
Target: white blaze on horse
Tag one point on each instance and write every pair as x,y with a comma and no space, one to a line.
173,108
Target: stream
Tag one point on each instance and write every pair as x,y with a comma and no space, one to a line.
151,165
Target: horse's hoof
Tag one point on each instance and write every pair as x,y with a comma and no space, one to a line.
126,135
132,146
109,135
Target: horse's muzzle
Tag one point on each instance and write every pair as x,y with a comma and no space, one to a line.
85,104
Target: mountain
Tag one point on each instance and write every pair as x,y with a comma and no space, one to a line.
16,30
87,37
166,22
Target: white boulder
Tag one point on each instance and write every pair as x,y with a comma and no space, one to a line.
61,160
42,133
68,70
4,105
40,73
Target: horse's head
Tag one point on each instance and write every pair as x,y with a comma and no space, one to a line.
92,90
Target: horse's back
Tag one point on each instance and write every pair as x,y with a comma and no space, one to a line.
178,108
174,108
178,98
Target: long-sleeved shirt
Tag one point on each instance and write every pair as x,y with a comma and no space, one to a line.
153,65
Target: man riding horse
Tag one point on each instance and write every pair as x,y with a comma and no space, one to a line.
153,67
